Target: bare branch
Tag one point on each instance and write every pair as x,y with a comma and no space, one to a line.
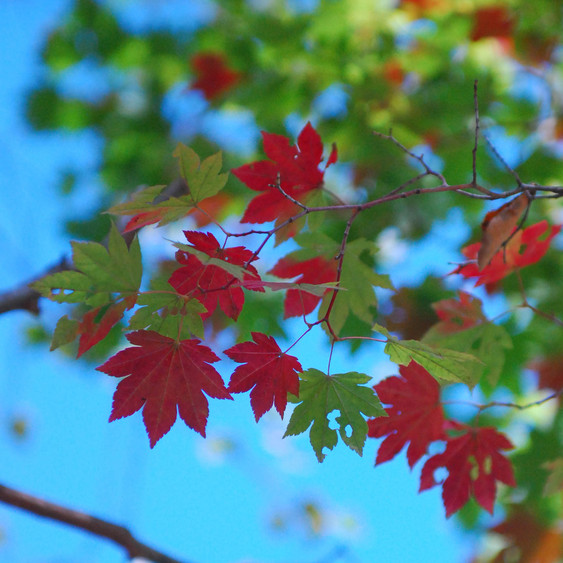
476,144
113,532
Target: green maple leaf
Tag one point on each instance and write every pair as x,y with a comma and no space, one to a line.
169,314
204,178
99,272
486,341
319,395
443,364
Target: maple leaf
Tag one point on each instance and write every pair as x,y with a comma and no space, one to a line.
99,272
214,76
474,465
497,227
298,170
550,372
266,370
319,395
317,270
97,323
204,181
523,249
442,363
212,283
164,376
492,21
459,315
415,414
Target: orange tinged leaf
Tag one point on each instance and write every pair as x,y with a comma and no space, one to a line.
497,227
523,249
214,76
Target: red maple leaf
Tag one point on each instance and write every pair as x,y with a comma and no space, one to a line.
210,284
492,21
415,414
523,249
214,77
314,271
96,323
474,465
266,370
163,377
550,372
298,170
459,315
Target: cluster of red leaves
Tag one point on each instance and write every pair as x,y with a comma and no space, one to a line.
472,457
296,166
210,284
165,377
523,249
213,74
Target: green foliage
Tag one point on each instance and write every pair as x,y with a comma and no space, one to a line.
445,365
320,395
100,271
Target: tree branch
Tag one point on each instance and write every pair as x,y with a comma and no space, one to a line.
25,298
114,532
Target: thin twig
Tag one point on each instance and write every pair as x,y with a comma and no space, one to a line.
476,143
492,404
509,169
527,305
102,528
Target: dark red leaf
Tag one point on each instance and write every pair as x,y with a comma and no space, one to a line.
492,21
214,77
98,322
474,465
415,414
459,315
298,170
266,370
163,377
314,271
210,284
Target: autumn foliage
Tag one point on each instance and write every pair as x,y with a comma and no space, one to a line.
280,240
168,370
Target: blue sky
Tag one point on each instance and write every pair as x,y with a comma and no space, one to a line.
208,501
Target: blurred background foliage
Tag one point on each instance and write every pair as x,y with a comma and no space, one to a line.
216,73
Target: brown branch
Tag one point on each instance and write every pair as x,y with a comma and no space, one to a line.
114,532
25,298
